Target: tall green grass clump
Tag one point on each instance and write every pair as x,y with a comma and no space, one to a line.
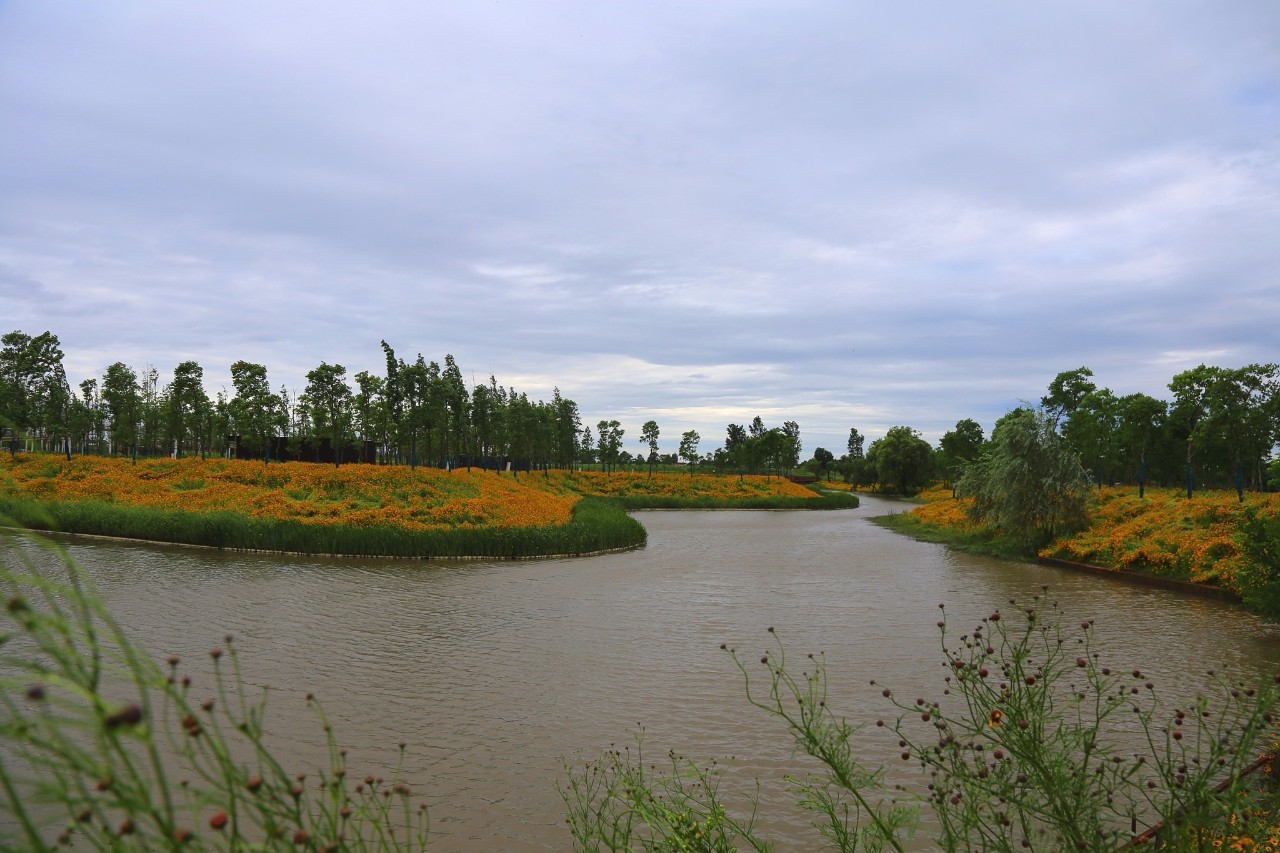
597,525
102,746
1034,743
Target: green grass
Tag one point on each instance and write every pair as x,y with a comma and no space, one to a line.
970,541
597,525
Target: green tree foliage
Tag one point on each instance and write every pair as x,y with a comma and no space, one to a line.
1228,419
958,447
855,443
1259,538
327,400
689,448
1066,393
1027,483
186,406
123,401
35,396
1141,419
822,461
649,437
255,410
1092,430
790,450
370,405
568,429
903,461
609,441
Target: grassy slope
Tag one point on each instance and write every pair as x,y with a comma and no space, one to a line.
1162,533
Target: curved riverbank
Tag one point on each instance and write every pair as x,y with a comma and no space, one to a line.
1162,541
367,511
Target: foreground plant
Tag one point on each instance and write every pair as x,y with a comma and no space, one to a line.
102,745
1035,743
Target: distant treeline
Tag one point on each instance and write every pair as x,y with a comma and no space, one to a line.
1219,430
416,412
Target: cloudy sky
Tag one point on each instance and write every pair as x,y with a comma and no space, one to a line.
840,213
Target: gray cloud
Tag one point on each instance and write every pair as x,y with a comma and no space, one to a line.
839,215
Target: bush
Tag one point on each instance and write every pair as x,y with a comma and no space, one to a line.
1021,750
1027,483
1259,579
104,746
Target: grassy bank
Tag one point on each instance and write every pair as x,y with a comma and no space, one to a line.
595,525
365,510
1201,540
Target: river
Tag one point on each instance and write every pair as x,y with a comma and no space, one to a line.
494,672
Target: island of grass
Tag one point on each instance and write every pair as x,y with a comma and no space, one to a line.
368,510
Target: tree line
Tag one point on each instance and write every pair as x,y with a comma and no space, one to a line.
1218,429
415,412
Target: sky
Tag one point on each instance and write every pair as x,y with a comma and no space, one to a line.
846,214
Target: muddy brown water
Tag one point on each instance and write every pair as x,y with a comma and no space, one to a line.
494,673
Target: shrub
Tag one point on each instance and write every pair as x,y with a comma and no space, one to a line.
1259,578
104,745
1022,750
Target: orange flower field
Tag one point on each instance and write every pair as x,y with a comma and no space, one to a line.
719,486
1163,533
355,495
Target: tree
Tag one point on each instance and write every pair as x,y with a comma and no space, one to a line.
689,448
1066,392
370,405
457,404
1027,483
1190,412
1240,414
902,459
186,405
735,446
1092,430
959,447
587,446
649,436
327,400
1141,417
34,393
791,447
822,459
254,410
855,444
393,400
120,395
568,429
609,441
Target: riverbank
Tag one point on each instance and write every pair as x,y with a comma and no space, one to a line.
1162,538
367,510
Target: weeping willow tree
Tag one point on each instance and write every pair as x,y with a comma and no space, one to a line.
1027,482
